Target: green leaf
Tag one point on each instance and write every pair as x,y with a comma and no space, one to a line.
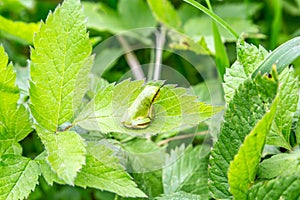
185,12
16,6
297,129
15,124
280,188
18,177
234,76
270,150
209,92
19,31
127,17
287,106
174,109
105,59
149,182
179,196
95,84
249,104
207,111
240,10
184,42
281,57
292,8
103,171
66,153
61,62
131,11
250,56
102,18
277,165
140,153
243,168
18,124
186,170
200,26
10,146
145,170
49,175
165,13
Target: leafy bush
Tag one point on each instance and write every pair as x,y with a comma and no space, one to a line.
65,131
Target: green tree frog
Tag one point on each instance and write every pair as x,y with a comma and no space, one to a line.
140,113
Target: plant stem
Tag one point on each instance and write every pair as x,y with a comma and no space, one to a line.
131,59
179,137
151,65
209,5
160,42
116,197
212,15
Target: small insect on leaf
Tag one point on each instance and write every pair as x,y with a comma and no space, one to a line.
140,113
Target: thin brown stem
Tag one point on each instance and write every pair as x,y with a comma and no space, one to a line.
131,59
160,43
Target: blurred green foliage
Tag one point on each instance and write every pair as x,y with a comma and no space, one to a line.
267,22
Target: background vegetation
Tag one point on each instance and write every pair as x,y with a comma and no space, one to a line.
268,23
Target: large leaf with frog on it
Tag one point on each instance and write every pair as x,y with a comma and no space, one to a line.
15,124
59,79
249,104
173,109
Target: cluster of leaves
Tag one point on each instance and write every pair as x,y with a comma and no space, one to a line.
119,17
79,121
60,62
258,121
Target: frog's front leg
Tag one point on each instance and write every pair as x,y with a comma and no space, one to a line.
142,122
138,123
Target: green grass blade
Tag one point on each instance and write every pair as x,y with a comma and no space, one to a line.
221,55
215,17
276,23
281,57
